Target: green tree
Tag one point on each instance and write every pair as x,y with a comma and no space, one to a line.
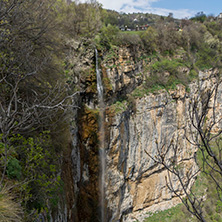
110,17
34,96
108,35
200,17
149,38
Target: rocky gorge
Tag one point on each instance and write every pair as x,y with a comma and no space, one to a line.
136,127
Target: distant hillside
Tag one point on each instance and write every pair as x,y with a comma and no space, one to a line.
133,20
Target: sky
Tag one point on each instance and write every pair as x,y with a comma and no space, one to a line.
179,8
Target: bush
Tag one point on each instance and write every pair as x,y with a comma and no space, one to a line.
119,106
149,39
14,170
192,37
193,74
206,58
107,35
165,74
166,65
168,38
127,39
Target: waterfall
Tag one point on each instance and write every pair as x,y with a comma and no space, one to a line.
99,82
102,154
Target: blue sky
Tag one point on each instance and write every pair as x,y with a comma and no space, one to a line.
179,8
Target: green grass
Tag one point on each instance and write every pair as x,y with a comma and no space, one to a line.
141,91
134,32
119,106
171,215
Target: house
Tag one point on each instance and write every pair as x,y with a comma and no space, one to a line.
219,16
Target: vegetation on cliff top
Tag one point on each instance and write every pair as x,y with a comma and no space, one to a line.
172,46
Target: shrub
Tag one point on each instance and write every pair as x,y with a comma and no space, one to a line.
149,39
127,39
168,38
193,74
14,170
119,106
170,66
206,57
107,35
165,74
192,36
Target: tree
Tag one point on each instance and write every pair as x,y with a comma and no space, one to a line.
168,38
82,19
200,17
108,35
149,38
110,17
203,132
170,17
34,95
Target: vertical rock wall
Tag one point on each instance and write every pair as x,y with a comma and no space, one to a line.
135,184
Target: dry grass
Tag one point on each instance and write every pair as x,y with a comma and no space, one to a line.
9,209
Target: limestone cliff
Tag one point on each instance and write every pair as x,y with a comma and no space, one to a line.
122,72
135,184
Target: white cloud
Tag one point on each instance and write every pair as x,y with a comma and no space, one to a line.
117,4
180,13
145,6
129,6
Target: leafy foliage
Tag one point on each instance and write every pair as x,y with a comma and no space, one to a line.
35,168
14,169
165,73
171,215
200,17
149,39
119,106
32,88
107,36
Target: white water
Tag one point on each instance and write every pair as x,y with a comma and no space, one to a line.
99,81
102,155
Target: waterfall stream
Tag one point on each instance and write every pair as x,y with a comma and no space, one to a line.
102,155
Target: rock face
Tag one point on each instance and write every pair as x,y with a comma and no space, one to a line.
135,183
122,72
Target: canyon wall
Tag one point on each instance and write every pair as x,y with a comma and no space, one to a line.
135,183
143,127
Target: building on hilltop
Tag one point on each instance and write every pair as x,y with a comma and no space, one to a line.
219,16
